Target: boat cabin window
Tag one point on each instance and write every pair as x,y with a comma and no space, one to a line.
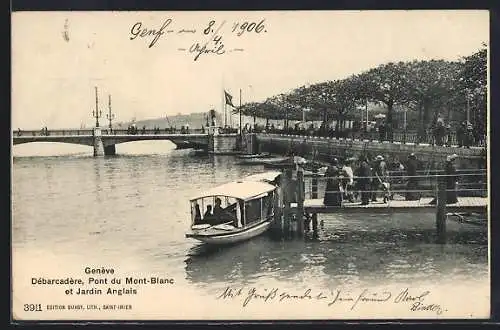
216,210
268,206
259,209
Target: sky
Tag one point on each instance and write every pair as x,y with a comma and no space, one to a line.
58,58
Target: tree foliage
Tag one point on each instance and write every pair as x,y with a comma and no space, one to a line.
430,88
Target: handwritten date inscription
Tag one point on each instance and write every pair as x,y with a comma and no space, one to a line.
142,32
211,34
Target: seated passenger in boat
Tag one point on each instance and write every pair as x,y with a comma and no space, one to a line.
208,217
197,216
218,210
222,215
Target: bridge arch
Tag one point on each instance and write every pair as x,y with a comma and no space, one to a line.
40,148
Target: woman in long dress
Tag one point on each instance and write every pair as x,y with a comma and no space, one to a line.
333,194
412,192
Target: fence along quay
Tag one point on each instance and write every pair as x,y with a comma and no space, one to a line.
301,203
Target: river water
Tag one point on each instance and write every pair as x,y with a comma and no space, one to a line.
130,213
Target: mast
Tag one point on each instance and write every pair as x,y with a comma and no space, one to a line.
96,108
224,103
96,113
110,115
241,131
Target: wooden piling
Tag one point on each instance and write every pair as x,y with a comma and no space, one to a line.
300,202
314,195
277,224
288,192
441,211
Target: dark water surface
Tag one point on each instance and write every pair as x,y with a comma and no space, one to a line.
135,205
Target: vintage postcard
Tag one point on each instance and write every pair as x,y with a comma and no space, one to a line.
260,165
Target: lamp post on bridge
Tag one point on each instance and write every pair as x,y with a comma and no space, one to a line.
110,115
467,96
96,113
304,110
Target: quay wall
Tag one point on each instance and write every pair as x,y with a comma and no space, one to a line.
326,148
223,143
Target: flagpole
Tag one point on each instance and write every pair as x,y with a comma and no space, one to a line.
241,130
225,112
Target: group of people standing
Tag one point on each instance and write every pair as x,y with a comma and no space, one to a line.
370,180
442,134
367,180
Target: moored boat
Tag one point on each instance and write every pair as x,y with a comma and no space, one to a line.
234,211
261,155
264,161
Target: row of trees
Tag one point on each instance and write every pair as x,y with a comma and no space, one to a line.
430,88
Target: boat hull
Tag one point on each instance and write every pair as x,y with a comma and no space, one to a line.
231,237
265,160
261,155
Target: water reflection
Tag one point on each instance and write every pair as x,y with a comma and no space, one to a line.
98,167
343,258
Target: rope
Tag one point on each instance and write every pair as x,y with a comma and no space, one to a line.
402,176
407,190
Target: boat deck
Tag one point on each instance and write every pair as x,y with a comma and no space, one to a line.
465,204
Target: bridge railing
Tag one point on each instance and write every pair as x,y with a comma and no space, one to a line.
149,131
69,132
451,139
56,132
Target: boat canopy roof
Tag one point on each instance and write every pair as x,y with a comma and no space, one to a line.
244,190
268,176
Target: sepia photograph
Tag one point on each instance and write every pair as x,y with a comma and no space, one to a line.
250,165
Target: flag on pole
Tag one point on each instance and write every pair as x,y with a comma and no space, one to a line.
229,99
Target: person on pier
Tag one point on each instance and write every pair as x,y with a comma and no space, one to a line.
348,181
380,179
412,193
363,180
451,179
333,193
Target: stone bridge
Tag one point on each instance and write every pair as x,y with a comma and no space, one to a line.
104,141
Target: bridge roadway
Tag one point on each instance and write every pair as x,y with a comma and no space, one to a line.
195,139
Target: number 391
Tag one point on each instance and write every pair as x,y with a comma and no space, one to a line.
32,307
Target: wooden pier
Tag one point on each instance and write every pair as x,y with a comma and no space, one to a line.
465,204
296,207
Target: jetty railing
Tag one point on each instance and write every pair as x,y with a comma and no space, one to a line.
426,184
444,194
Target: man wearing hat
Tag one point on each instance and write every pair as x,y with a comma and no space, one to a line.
451,179
380,173
363,181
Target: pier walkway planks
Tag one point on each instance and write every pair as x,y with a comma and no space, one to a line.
465,204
